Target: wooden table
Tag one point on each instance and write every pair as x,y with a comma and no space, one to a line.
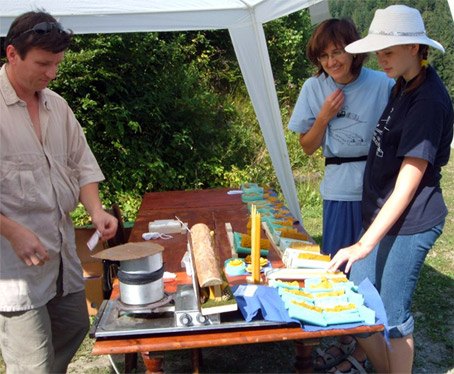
215,208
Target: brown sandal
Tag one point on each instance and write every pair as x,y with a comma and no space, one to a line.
329,360
356,367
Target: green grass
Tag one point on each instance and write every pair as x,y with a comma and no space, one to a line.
434,296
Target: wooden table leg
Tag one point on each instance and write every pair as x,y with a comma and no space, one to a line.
130,362
303,359
153,361
196,356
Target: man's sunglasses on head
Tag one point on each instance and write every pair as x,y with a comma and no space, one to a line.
44,28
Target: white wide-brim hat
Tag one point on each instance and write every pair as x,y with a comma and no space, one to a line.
395,25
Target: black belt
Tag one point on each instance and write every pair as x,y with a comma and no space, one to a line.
341,160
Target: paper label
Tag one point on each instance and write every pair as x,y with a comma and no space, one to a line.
234,192
93,240
246,290
250,290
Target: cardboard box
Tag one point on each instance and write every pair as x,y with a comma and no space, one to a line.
83,235
92,269
93,290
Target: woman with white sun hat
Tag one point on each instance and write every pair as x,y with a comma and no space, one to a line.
403,208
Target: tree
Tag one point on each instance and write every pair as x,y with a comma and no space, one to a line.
149,109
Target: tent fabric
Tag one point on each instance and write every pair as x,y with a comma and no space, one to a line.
243,18
108,16
249,43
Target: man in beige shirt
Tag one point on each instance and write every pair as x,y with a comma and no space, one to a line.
46,168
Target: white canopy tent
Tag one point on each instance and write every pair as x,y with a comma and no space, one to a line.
243,18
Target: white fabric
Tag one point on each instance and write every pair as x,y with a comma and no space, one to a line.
102,16
319,12
250,47
451,6
243,18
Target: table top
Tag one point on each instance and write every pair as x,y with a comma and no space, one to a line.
214,208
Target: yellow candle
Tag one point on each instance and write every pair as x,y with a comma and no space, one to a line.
255,245
253,229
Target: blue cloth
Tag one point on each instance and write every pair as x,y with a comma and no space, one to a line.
265,303
349,133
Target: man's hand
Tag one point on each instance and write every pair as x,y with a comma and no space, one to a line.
105,223
28,247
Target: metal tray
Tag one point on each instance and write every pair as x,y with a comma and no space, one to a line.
112,322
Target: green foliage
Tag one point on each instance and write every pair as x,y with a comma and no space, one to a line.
150,111
440,26
167,111
287,38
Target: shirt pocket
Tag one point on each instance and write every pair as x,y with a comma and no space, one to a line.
19,183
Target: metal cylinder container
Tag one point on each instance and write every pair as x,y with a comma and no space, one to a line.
141,280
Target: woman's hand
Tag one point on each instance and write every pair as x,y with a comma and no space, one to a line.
332,105
348,255
312,140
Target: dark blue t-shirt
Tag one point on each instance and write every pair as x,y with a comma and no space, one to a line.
414,124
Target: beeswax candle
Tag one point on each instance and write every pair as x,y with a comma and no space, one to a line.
255,244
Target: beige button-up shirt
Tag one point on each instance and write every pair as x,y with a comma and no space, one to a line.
39,186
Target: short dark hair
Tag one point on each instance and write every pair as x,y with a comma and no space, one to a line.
340,32
54,41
